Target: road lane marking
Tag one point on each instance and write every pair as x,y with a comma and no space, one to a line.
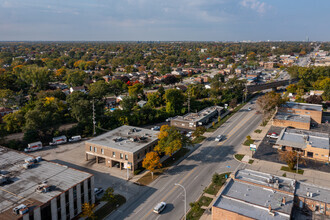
171,191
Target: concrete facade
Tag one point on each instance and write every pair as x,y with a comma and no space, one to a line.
291,120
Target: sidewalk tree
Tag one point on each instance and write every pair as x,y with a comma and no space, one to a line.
151,162
88,211
109,196
170,140
291,157
199,131
268,103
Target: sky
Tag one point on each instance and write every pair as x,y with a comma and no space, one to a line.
164,20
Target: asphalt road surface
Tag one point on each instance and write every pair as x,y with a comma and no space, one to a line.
194,173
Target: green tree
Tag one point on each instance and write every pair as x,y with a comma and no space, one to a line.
135,90
14,122
75,78
37,77
128,103
109,196
199,131
99,89
174,101
154,100
80,106
7,98
117,87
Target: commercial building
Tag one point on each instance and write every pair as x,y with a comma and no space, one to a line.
313,145
312,110
123,147
32,188
292,120
251,194
193,120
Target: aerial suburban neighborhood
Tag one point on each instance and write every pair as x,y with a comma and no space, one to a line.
163,110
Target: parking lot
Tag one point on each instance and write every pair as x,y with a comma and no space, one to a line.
73,156
266,152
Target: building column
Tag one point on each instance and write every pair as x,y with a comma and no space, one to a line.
63,208
120,165
97,159
53,207
86,156
37,213
79,197
92,191
86,191
71,206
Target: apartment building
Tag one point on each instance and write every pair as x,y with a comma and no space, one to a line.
124,147
32,188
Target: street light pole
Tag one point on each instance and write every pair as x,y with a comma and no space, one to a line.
185,199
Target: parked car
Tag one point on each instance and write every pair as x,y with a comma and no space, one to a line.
75,138
189,134
159,207
98,191
249,109
156,128
272,135
58,140
219,138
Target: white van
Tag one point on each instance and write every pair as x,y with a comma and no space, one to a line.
159,207
75,138
33,146
58,140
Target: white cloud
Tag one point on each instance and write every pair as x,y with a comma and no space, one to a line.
256,5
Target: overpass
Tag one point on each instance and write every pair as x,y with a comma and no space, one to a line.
271,85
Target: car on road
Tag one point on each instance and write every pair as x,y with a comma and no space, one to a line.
160,207
249,108
219,138
98,191
272,135
156,128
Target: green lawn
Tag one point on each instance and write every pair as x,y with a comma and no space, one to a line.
239,156
217,181
198,140
109,207
258,131
285,168
195,215
248,142
205,201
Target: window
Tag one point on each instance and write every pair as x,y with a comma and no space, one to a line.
307,112
90,148
316,154
113,154
126,157
102,151
121,156
138,156
95,149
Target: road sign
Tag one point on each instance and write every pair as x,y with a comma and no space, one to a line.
252,149
128,165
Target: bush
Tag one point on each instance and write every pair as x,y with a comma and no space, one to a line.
258,131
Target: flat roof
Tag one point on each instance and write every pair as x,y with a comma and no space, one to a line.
24,182
300,138
196,117
304,106
253,201
292,117
126,138
318,193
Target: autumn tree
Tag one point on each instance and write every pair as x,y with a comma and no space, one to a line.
268,103
314,99
135,90
199,131
170,140
88,211
291,157
151,162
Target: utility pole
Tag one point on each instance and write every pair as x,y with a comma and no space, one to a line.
94,122
297,160
188,101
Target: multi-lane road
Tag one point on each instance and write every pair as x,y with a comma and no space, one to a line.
194,173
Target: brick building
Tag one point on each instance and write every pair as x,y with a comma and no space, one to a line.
122,147
292,120
41,190
312,110
313,145
251,194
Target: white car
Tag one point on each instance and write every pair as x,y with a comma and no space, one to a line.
219,138
159,207
272,135
249,109
98,191
189,134
156,128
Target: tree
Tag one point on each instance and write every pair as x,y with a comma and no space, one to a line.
14,122
128,103
7,98
233,103
170,140
154,100
88,211
135,90
268,103
151,162
75,78
174,101
117,87
99,89
109,196
37,77
291,157
314,99
170,79
199,131
292,88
